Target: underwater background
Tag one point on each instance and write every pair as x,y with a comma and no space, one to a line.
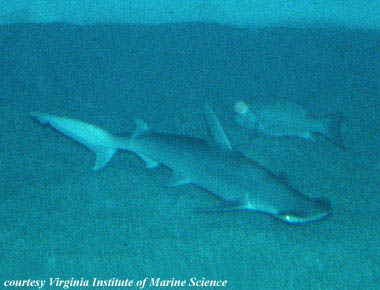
60,219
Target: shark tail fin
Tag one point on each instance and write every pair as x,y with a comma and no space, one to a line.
102,143
333,130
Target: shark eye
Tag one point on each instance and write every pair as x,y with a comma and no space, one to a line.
292,217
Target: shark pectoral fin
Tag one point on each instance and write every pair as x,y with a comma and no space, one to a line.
177,179
225,207
103,156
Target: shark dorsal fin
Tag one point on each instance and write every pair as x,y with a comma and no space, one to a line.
141,128
215,130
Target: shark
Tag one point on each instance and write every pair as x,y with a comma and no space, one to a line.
278,117
240,182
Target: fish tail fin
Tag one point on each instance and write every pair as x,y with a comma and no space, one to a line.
99,141
333,130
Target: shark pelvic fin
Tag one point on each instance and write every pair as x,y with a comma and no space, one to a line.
178,179
149,162
215,130
103,156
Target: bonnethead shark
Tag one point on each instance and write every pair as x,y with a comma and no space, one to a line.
240,182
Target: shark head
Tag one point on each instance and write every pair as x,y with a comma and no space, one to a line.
318,209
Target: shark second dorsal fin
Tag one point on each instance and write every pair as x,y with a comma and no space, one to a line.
215,130
141,128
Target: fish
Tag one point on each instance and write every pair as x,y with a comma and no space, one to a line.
240,182
278,117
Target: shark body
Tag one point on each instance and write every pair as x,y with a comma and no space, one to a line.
238,180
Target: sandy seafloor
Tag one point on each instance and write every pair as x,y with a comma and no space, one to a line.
60,219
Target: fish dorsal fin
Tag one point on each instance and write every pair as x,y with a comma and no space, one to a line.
141,128
215,130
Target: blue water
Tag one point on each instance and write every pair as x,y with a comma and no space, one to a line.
60,219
